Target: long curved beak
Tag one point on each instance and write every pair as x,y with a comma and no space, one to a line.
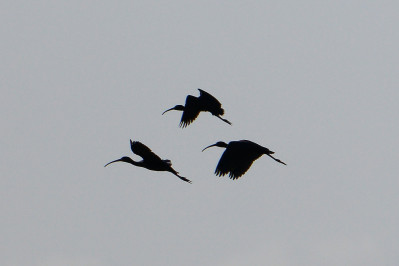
169,110
119,160
209,146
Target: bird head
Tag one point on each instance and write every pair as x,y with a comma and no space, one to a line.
217,144
177,108
124,159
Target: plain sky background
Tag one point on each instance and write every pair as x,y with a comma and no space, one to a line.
315,81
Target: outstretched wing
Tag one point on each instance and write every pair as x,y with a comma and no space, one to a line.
227,162
236,160
242,167
191,111
143,151
210,103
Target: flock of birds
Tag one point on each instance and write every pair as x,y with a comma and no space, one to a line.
236,159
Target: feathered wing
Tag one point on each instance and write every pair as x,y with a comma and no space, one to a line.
210,103
243,166
236,160
143,151
191,111
227,162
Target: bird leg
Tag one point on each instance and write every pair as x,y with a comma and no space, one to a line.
225,120
183,178
277,160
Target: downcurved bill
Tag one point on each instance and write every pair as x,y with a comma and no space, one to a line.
169,110
119,160
209,146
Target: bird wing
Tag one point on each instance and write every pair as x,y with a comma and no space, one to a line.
227,162
191,111
210,103
243,166
236,160
143,151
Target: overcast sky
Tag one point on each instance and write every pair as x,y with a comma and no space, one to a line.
315,81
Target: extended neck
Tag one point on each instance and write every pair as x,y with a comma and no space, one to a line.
126,160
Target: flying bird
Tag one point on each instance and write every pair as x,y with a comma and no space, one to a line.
151,161
238,157
194,105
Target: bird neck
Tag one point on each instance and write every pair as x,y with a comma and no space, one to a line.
131,161
179,108
222,144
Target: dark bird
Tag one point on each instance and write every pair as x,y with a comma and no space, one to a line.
194,105
151,161
238,157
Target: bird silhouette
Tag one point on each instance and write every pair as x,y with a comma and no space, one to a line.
151,161
194,105
238,157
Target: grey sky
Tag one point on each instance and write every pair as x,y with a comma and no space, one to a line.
316,82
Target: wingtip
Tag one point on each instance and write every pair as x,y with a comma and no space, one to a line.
201,91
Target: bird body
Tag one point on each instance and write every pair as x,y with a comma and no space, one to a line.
150,161
239,156
194,105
